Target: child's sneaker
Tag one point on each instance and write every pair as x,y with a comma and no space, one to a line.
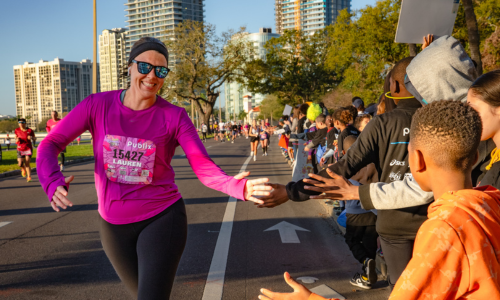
369,268
361,282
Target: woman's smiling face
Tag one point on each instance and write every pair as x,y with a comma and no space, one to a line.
147,85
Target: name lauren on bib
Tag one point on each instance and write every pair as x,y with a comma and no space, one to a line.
127,163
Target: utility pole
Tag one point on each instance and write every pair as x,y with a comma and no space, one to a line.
220,112
94,61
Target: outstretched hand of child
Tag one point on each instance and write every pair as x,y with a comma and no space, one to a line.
300,292
59,198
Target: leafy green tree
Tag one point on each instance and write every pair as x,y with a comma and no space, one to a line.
242,115
271,107
363,48
202,62
294,68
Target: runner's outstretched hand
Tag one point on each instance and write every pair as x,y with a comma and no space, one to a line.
335,188
300,292
253,187
276,197
59,198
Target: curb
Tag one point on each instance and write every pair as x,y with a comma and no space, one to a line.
33,170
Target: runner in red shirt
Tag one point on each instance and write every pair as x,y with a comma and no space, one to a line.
24,136
50,125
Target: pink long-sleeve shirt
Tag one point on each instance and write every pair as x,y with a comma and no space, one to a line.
163,126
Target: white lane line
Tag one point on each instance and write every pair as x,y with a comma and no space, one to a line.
209,147
2,224
215,279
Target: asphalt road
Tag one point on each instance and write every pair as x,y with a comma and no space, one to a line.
49,255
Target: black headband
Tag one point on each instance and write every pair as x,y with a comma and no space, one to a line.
146,47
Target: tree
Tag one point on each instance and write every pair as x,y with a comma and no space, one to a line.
363,48
294,69
473,33
43,123
203,61
8,125
271,106
242,115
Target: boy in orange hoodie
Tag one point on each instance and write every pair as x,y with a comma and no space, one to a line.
456,253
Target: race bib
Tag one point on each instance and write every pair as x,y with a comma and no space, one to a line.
129,160
263,136
24,153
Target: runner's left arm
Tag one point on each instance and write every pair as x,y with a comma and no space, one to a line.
203,166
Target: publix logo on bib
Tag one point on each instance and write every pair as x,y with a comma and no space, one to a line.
139,146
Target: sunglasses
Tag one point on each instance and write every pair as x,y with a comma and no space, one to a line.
144,68
21,122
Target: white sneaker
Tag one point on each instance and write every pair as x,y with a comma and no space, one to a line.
263,154
266,153
254,157
62,168
251,153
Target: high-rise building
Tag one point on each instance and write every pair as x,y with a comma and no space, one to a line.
234,93
46,86
112,59
307,15
157,18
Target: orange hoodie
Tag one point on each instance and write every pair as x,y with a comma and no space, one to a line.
457,250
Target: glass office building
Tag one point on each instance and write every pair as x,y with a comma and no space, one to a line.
307,15
234,93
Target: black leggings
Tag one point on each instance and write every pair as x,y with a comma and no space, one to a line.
146,254
397,254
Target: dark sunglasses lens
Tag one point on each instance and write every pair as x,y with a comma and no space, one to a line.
144,68
161,72
22,122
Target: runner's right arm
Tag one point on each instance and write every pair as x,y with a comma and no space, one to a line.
67,130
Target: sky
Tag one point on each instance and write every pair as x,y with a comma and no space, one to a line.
33,30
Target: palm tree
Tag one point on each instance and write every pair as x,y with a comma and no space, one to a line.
473,32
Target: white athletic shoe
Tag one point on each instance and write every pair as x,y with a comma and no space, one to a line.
254,157
251,153
266,153
62,168
263,154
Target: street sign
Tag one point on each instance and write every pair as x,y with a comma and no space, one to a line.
288,232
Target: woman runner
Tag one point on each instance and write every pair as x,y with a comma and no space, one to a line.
253,132
143,225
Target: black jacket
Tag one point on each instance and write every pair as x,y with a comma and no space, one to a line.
318,137
383,142
349,130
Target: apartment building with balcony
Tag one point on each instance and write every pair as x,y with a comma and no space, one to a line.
45,86
307,15
157,18
112,59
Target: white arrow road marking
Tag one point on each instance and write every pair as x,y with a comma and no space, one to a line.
2,224
215,279
287,232
327,292
308,279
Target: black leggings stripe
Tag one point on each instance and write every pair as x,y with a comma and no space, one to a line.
146,254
